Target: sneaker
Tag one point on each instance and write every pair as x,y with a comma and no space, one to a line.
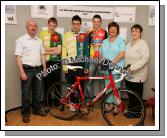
26,119
108,108
115,111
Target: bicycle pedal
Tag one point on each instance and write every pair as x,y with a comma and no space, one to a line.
72,108
85,110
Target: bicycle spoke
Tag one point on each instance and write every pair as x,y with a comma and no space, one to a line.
135,107
131,116
56,92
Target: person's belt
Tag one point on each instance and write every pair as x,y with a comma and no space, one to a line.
31,67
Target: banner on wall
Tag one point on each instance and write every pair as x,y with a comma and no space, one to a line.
151,19
86,26
10,14
84,11
42,11
124,14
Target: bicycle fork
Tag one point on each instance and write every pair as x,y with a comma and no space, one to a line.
116,94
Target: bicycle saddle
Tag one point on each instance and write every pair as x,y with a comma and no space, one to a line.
74,67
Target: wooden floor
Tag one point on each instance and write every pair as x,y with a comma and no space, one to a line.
95,118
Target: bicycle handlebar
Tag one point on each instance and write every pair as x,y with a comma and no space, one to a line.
122,76
122,73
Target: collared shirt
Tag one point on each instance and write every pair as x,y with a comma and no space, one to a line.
138,56
110,50
30,50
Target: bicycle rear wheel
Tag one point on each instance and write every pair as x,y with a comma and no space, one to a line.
62,111
133,115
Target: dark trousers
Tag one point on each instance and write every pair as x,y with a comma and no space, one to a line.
34,85
71,75
138,89
50,79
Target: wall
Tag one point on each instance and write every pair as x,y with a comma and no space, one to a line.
12,32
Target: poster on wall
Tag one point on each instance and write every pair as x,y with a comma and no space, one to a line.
123,33
86,26
42,11
151,18
124,14
10,14
58,29
84,11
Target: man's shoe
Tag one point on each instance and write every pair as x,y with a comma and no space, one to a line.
26,119
40,113
61,107
46,109
115,113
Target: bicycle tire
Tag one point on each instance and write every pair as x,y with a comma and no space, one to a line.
132,116
61,111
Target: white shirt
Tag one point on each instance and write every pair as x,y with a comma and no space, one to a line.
30,50
138,56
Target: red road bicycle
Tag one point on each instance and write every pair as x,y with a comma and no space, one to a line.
72,101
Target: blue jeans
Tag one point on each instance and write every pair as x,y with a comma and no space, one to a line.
34,85
93,69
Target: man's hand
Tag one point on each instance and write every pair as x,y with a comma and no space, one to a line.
45,73
23,76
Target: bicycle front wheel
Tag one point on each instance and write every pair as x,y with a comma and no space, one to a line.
133,115
57,92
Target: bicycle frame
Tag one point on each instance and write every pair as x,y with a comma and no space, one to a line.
110,85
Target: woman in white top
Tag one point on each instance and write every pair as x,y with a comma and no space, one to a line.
137,55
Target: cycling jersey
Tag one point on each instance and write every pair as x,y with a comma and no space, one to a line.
96,38
51,40
75,45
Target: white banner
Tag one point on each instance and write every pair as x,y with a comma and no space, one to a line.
124,14
84,11
41,11
10,14
151,19
86,26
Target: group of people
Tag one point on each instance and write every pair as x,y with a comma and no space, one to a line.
35,54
